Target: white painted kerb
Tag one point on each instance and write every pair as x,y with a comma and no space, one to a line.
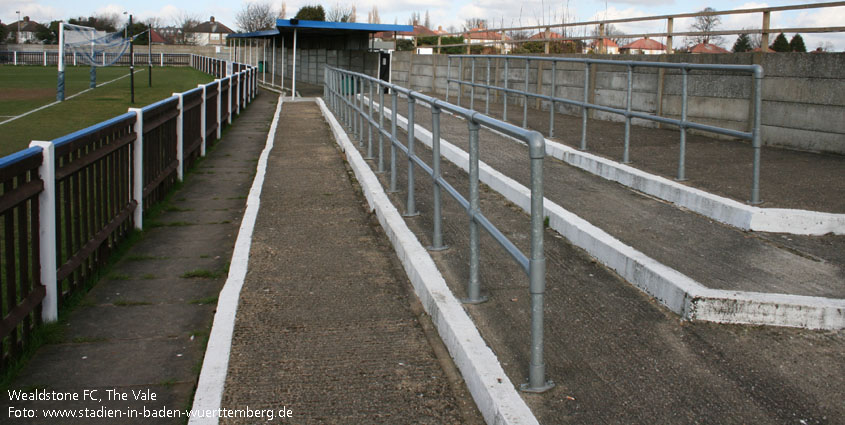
216,363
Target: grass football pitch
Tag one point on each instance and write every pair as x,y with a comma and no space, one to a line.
24,88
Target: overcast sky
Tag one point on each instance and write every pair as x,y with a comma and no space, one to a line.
453,13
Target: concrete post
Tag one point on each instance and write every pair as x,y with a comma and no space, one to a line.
47,231
138,168
764,40
180,136
670,23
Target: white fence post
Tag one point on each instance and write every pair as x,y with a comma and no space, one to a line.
237,95
45,58
15,55
161,61
220,103
138,168
202,120
180,137
47,231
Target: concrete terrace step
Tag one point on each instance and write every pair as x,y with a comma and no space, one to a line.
700,269
616,356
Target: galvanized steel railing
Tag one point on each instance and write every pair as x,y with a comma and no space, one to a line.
343,91
585,105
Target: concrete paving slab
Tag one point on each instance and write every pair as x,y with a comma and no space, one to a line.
330,343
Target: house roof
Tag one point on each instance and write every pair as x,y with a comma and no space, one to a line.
645,44
418,31
542,35
483,34
707,48
157,38
212,26
26,25
604,41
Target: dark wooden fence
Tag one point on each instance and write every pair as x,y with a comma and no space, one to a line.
95,197
20,264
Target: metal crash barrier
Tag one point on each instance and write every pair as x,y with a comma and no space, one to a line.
683,123
344,92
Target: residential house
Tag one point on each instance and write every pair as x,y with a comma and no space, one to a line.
605,45
22,31
486,37
643,46
209,32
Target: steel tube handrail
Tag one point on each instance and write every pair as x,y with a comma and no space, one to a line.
683,124
533,265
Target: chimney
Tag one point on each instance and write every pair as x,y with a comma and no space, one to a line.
212,19
26,18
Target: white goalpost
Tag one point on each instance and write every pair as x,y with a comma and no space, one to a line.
89,46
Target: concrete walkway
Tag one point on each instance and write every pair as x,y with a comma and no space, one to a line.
327,330
145,324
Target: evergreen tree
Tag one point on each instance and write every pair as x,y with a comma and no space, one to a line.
797,44
311,13
743,44
781,45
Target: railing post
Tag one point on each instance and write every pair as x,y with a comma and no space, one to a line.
237,92
525,95
584,110
472,85
393,141
460,79
683,144
380,128
370,123
436,237
473,284
626,159
203,120
359,99
138,168
487,90
47,231
552,102
410,205
505,97
756,138
448,75
537,382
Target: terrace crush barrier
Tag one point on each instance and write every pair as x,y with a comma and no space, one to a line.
344,92
67,204
755,71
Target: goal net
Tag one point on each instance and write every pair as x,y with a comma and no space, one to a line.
87,46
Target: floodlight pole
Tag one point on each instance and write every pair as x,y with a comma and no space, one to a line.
131,62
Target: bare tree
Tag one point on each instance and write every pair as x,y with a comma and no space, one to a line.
185,24
372,16
154,22
611,33
283,11
340,13
475,23
706,25
353,15
427,21
414,19
256,16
